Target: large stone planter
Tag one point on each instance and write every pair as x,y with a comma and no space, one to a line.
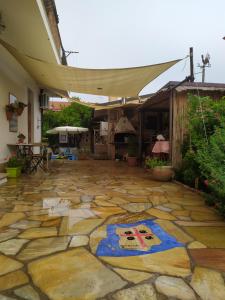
162,173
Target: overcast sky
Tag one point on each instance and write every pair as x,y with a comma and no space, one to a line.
128,33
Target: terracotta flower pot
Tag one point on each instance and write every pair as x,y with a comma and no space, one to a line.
132,161
19,110
82,156
21,140
163,173
9,115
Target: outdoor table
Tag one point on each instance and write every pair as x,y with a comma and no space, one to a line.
23,150
32,161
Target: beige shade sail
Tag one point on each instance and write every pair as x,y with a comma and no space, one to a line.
126,82
98,106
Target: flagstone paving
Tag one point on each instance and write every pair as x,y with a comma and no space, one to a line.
101,230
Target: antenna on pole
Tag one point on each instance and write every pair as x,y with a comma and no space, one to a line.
205,64
67,53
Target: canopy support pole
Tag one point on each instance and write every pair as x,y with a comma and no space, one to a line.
140,138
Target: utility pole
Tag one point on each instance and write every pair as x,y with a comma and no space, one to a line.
203,69
205,63
192,78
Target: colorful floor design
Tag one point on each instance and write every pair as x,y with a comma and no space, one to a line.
119,244
100,230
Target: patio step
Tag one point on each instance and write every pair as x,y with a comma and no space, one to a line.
3,178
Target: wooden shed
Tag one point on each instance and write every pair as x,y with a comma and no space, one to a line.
165,113
108,143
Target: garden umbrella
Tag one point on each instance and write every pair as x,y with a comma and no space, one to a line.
67,129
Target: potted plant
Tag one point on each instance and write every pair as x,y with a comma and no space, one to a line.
159,169
132,150
84,153
10,110
21,138
20,108
13,167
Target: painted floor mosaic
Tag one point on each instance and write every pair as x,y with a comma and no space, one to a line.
101,230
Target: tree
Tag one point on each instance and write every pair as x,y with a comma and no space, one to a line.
74,115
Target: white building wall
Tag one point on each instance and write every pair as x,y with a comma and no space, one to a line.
15,80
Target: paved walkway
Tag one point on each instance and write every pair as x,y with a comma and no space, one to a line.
102,230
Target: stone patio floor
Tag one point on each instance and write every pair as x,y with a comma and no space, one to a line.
102,230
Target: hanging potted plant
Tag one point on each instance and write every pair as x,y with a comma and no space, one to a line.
10,110
20,108
132,151
21,138
159,169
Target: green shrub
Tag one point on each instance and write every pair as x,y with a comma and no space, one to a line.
189,170
211,159
204,148
154,162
